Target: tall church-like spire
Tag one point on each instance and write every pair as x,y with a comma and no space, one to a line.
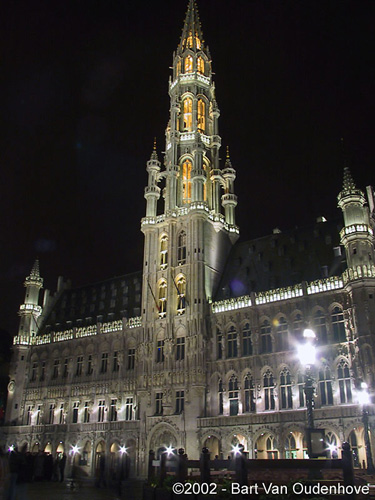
192,36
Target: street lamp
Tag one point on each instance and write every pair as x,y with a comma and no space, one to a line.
307,353
364,401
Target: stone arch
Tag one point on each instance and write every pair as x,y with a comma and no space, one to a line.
162,436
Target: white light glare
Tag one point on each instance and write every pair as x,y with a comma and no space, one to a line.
169,450
75,449
332,448
236,449
306,353
363,395
123,449
11,448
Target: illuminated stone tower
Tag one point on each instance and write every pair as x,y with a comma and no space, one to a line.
190,229
29,312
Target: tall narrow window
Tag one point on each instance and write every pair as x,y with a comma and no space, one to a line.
298,327
164,252
89,365
160,351
61,414
75,412
286,390
232,343
38,419
265,336
290,447
51,415
219,337
247,345
79,366
180,348
159,403
181,248
104,365
116,365
221,397
269,397
86,412
325,386
338,325
282,335
162,298
43,371
188,64
301,390
188,114
113,411
66,367
233,395
178,68
34,371
131,359
101,409
56,366
271,451
180,401
186,181
331,444
129,409
249,394
345,385
200,65
320,327
181,297
201,115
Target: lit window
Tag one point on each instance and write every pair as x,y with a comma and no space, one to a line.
325,386
286,390
290,447
164,252
266,339
345,385
178,68
233,396
201,115
186,181
162,298
338,325
200,65
270,446
189,41
181,297
188,115
247,346
269,397
181,248
189,64
232,343
249,393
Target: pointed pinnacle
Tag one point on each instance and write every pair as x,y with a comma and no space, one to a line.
348,184
228,162
35,273
154,154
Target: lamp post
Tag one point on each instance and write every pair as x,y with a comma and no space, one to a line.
307,353
364,401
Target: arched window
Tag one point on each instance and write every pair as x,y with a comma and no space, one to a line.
270,446
233,395
354,447
164,252
181,248
200,65
162,298
265,336
286,390
190,40
283,335
290,447
188,114
345,385
249,393
232,350
325,386
247,345
201,115
197,42
219,338
186,181
268,385
181,291
338,325
221,397
320,327
189,64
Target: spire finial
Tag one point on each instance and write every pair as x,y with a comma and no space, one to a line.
228,157
192,36
348,184
154,154
35,273
228,162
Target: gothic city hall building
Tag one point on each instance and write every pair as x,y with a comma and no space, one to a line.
200,348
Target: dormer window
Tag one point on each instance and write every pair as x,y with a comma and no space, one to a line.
188,64
164,252
186,181
188,114
201,115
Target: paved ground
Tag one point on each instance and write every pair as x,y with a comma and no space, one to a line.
61,491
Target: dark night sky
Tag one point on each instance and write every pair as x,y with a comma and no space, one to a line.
84,90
